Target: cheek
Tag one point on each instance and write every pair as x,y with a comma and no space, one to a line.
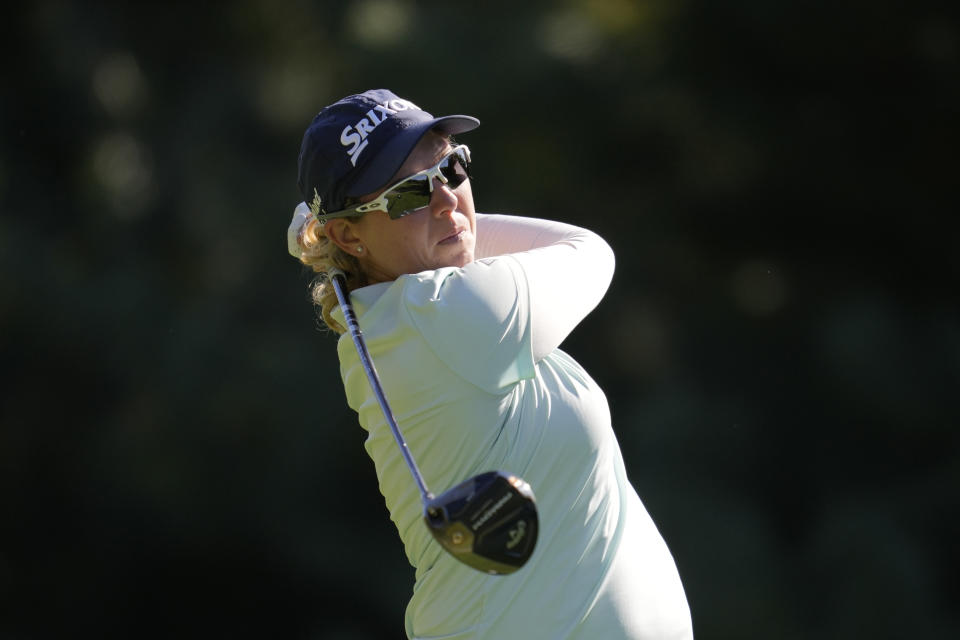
405,236
465,194
465,202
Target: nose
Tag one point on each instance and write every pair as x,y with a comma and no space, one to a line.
443,200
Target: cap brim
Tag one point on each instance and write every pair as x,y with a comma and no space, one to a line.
384,166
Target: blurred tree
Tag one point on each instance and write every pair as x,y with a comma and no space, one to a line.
780,346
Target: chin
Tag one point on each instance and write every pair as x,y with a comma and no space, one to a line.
464,259
461,259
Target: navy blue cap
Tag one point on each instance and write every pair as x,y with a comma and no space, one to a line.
355,146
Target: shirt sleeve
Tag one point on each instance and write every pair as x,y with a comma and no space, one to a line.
492,320
476,320
499,234
568,269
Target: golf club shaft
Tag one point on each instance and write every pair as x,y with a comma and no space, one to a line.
338,279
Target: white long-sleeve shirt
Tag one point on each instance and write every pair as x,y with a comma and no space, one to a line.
469,361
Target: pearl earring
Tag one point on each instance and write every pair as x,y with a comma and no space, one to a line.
359,249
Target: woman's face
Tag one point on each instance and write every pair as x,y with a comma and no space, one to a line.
442,234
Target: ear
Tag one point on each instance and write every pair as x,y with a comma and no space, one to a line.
341,231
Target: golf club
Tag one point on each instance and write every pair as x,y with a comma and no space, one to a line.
488,522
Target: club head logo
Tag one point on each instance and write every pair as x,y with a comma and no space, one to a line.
516,535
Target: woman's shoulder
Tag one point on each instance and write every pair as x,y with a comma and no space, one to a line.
489,283
473,300
475,318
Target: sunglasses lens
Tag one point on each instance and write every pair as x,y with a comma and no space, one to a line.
408,196
414,192
455,168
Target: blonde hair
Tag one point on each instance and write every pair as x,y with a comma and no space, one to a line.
320,254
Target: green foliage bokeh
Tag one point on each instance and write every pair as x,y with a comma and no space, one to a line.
780,345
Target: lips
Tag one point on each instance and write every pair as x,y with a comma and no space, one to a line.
453,237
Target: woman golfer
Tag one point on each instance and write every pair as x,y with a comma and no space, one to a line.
463,314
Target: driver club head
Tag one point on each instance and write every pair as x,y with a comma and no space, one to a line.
488,522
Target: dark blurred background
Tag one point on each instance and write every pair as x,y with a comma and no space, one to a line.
780,344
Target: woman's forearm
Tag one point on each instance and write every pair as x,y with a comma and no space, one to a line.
499,234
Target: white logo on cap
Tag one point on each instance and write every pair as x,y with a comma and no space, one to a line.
355,136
